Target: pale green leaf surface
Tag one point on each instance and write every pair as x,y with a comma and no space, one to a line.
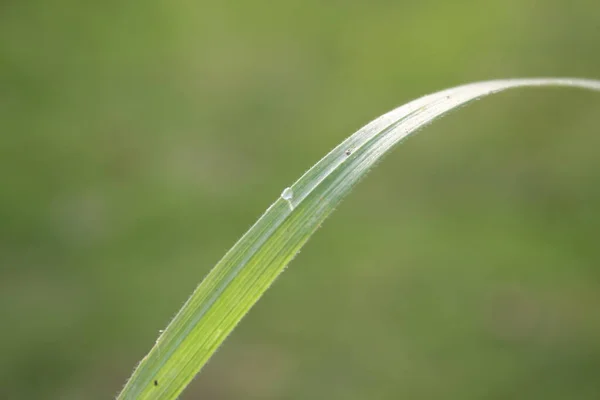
250,267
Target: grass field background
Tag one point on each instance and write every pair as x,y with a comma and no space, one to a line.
138,141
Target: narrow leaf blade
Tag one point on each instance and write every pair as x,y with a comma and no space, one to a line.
247,270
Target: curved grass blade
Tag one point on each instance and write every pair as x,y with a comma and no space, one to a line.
250,267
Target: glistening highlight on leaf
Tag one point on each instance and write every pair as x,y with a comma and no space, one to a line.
247,270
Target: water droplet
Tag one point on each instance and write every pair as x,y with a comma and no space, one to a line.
287,194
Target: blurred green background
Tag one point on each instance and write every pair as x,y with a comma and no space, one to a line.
139,141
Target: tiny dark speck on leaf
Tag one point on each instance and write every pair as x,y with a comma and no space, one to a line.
155,383
348,152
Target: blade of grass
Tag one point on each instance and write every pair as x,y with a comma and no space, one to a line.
247,270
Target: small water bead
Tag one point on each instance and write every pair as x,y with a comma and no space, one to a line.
287,194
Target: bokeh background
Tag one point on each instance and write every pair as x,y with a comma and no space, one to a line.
139,140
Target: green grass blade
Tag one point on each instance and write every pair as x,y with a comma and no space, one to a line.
250,267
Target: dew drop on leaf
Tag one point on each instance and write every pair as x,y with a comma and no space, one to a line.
287,194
